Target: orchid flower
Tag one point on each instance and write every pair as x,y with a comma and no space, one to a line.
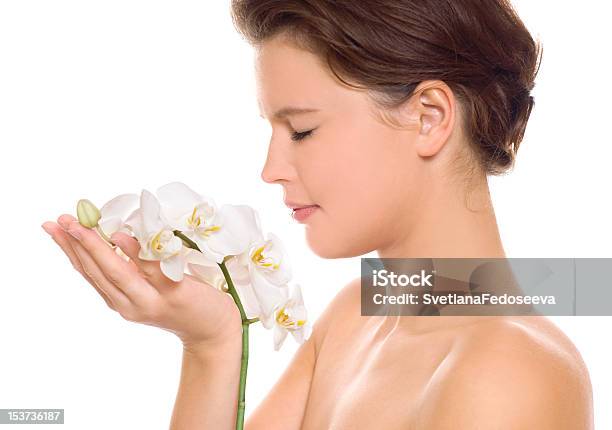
229,241
213,275
267,261
263,272
290,317
116,211
157,239
218,232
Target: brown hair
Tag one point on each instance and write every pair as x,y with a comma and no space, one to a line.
480,48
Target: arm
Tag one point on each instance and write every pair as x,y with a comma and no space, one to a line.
205,319
506,380
207,396
208,391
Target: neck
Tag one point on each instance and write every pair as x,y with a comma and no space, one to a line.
451,224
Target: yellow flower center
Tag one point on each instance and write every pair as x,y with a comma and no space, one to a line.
158,242
261,260
284,320
195,221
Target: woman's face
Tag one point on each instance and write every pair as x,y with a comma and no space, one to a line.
365,175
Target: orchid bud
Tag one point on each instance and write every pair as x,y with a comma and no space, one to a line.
87,213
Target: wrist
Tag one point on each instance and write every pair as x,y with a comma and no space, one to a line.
228,346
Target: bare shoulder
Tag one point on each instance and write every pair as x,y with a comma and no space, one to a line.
507,373
340,311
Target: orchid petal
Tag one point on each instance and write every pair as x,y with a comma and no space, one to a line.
115,211
145,253
134,224
173,246
269,298
204,248
239,228
150,212
120,206
110,225
269,259
178,195
302,334
279,335
248,299
173,267
296,295
196,257
178,202
207,274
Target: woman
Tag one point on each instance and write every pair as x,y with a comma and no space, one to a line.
387,116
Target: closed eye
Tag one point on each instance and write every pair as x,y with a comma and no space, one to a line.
295,136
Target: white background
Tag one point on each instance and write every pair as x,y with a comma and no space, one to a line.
102,98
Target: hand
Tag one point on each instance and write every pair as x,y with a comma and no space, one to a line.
198,313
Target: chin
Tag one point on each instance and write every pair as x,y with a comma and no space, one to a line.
329,245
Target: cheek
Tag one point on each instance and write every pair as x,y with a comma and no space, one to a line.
353,220
358,184
368,173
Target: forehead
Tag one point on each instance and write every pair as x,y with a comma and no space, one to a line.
287,76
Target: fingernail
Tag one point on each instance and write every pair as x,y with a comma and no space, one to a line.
63,222
74,233
46,226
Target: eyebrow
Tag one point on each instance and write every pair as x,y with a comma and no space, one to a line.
291,110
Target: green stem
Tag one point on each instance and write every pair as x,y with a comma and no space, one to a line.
188,242
244,360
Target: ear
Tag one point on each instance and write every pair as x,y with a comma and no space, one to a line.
434,112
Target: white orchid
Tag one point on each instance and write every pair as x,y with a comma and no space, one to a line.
210,274
157,239
218,232
290,317
168,224
213,275
116,211
263,272
268,261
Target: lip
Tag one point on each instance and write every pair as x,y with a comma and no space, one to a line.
300,214
292,205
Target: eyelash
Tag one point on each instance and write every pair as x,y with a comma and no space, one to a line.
295,136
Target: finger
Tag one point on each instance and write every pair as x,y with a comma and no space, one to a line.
150,269
115,269
61,239
90,267
64,222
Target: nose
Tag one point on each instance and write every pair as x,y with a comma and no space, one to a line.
278,166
